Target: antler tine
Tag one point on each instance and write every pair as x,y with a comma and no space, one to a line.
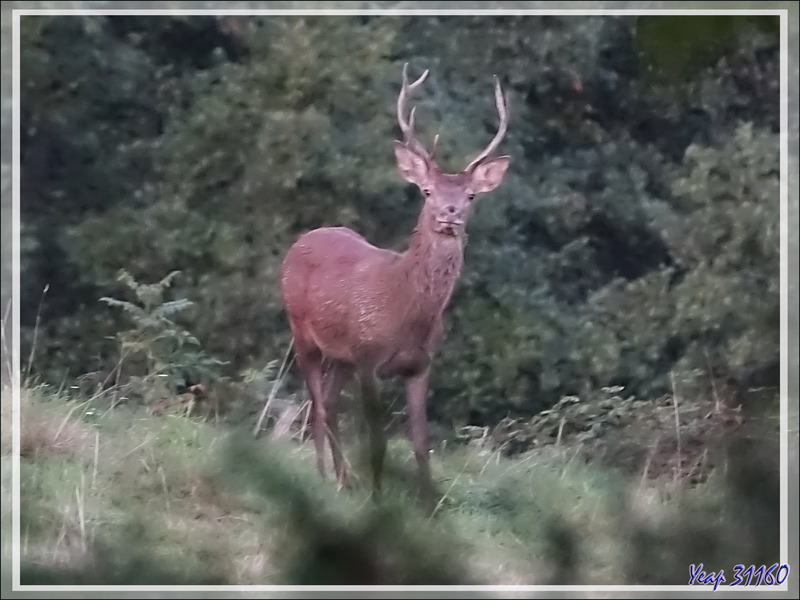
407,127
435,142
502,110
411,116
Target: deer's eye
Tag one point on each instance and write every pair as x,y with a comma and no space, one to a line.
471,196
426,192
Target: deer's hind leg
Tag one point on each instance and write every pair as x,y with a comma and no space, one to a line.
336,377
311,362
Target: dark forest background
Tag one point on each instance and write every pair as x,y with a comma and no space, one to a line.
636,234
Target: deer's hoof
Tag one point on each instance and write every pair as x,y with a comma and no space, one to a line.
343,483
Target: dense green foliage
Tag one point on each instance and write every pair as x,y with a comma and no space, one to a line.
637,234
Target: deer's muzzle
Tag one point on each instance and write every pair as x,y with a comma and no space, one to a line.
449,226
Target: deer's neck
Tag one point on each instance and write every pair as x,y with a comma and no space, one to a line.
432,264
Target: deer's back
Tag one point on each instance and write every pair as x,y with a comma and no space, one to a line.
337,289
329,257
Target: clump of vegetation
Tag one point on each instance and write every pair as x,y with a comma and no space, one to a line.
730,297
161,357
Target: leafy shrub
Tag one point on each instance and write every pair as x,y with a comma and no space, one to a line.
171,355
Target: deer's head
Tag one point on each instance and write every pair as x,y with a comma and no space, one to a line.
448,196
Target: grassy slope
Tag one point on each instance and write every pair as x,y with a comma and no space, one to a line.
123,497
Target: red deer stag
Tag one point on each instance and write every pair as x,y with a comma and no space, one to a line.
357,309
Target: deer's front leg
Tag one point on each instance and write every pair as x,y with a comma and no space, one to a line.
416,398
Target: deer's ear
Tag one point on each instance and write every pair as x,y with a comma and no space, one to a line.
487,175
412,166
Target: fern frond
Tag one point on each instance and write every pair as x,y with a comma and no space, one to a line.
127,279
170,350
169,308
130,307
167,281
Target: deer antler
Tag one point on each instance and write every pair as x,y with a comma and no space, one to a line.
407,127
502,110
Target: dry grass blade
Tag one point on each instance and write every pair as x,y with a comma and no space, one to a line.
275,387
35,332
677,424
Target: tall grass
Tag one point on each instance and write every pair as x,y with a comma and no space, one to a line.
121,496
